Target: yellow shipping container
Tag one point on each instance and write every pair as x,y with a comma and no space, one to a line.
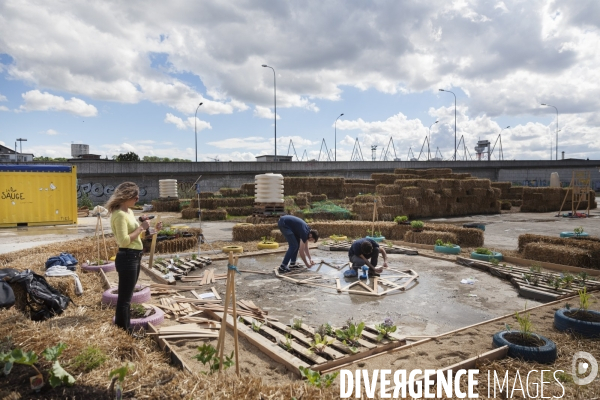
38,195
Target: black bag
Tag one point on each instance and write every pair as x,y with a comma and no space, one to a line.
7,296
44,301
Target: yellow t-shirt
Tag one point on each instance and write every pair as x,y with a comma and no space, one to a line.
122,224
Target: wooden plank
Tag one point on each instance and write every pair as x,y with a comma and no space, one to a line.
155,275
271,349
164,345
529,293
338,286
215,292
552,266
304,339
191,336
105,282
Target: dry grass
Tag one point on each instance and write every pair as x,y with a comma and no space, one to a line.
430,237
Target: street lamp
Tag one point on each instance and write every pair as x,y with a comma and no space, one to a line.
442,90
548,105
275,103
195,132
335,139
429,140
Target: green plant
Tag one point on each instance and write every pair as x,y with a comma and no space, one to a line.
417,224
583,276
568,306
494,261
57,375
401,218
564,377
207,354
351,332
314,378
90,358
584,299
319,344
525,325
325,329
138,309
194,257
85,201
287,344
256,326
578,231
297,323
374,233
536,268
483,250
568,279
439,242
556,283
18,356
117,376
385,328
267,239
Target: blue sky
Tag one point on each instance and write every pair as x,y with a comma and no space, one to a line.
123,76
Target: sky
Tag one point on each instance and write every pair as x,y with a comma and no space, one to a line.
126,76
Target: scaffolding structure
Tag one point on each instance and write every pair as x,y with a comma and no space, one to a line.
357,154
579,189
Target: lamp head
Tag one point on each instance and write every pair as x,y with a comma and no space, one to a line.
441,90
341,114
436,122
200,104
265,65
507,127
544,104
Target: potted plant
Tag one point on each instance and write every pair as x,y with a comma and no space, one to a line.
385,329
580,320
98,264
267,242
577,233
483,254
375,235
417,226
338,238
401,220
447,248
524,343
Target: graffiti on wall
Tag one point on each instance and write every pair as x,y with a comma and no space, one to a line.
594,185
99,190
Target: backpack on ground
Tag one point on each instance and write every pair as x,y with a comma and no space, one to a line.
7,296
43,301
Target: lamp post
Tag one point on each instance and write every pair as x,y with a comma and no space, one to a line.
556,144
275,104
429,139
195,132
442,90
20,140
335,139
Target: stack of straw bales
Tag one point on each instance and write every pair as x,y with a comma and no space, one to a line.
579,252
429,237
166,205
550,199
333,188
207,215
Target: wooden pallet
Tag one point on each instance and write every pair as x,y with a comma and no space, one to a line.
345,246
269,335
530,284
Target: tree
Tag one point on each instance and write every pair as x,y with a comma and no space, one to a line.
131,156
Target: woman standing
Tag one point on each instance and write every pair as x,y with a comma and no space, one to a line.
127,232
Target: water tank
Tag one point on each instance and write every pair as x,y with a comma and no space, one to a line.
167,188
554,180
269,188
78,150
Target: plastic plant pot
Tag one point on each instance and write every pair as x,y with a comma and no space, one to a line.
565,323
142,295
545,354
107,267
267,245
486,257
455,249
232,249
378,239
573,234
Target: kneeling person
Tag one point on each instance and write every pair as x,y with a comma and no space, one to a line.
365,252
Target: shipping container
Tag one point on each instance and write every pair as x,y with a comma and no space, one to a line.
38,195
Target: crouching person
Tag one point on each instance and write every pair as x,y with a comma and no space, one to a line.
298,234
365,252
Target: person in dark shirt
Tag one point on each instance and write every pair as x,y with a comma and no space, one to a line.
298,234
365,252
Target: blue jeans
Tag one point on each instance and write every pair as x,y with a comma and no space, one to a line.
358,262
293,244
127,264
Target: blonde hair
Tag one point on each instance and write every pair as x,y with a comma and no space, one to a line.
125,191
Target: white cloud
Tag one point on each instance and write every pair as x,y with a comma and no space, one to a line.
38,101
3,98
251,143
4,108
50,132
189,123
178,122
264,112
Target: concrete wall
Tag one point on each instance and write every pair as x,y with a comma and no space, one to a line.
99,178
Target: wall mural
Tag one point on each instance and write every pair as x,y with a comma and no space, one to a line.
99,190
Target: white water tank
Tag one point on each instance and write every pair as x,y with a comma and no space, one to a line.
554,180
167,188
269,188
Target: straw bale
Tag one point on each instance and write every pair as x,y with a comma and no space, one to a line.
277,236
229,192
405,182
503,186
557,254
248,189
591,243
426,183
404,171
434,172
232,202
516,190
460,176
411,191
189,213
214,215
386,190
449,183
318,197
251,233
446,192
206,195
354,189
410,202
166,205
482,192
406,176
360,181
429,237
497,192
367,198
384,178
392,200
176,245
466,237
516,203
243,211
505,205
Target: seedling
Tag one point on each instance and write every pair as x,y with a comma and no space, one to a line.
483,250
537,268
578,231
568,279
207,354
584,299
297,323
325,329
287,344
417,225
319,344
385,329
400,219
267,239
525,324
117,376
256,326
194,257
556,283
89,359
17,356
351,333
57,375
314,378
494,261
583,276
568,306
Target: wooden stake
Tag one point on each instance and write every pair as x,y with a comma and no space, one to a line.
235,321
103,240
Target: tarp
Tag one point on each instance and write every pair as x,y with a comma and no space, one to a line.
35,168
